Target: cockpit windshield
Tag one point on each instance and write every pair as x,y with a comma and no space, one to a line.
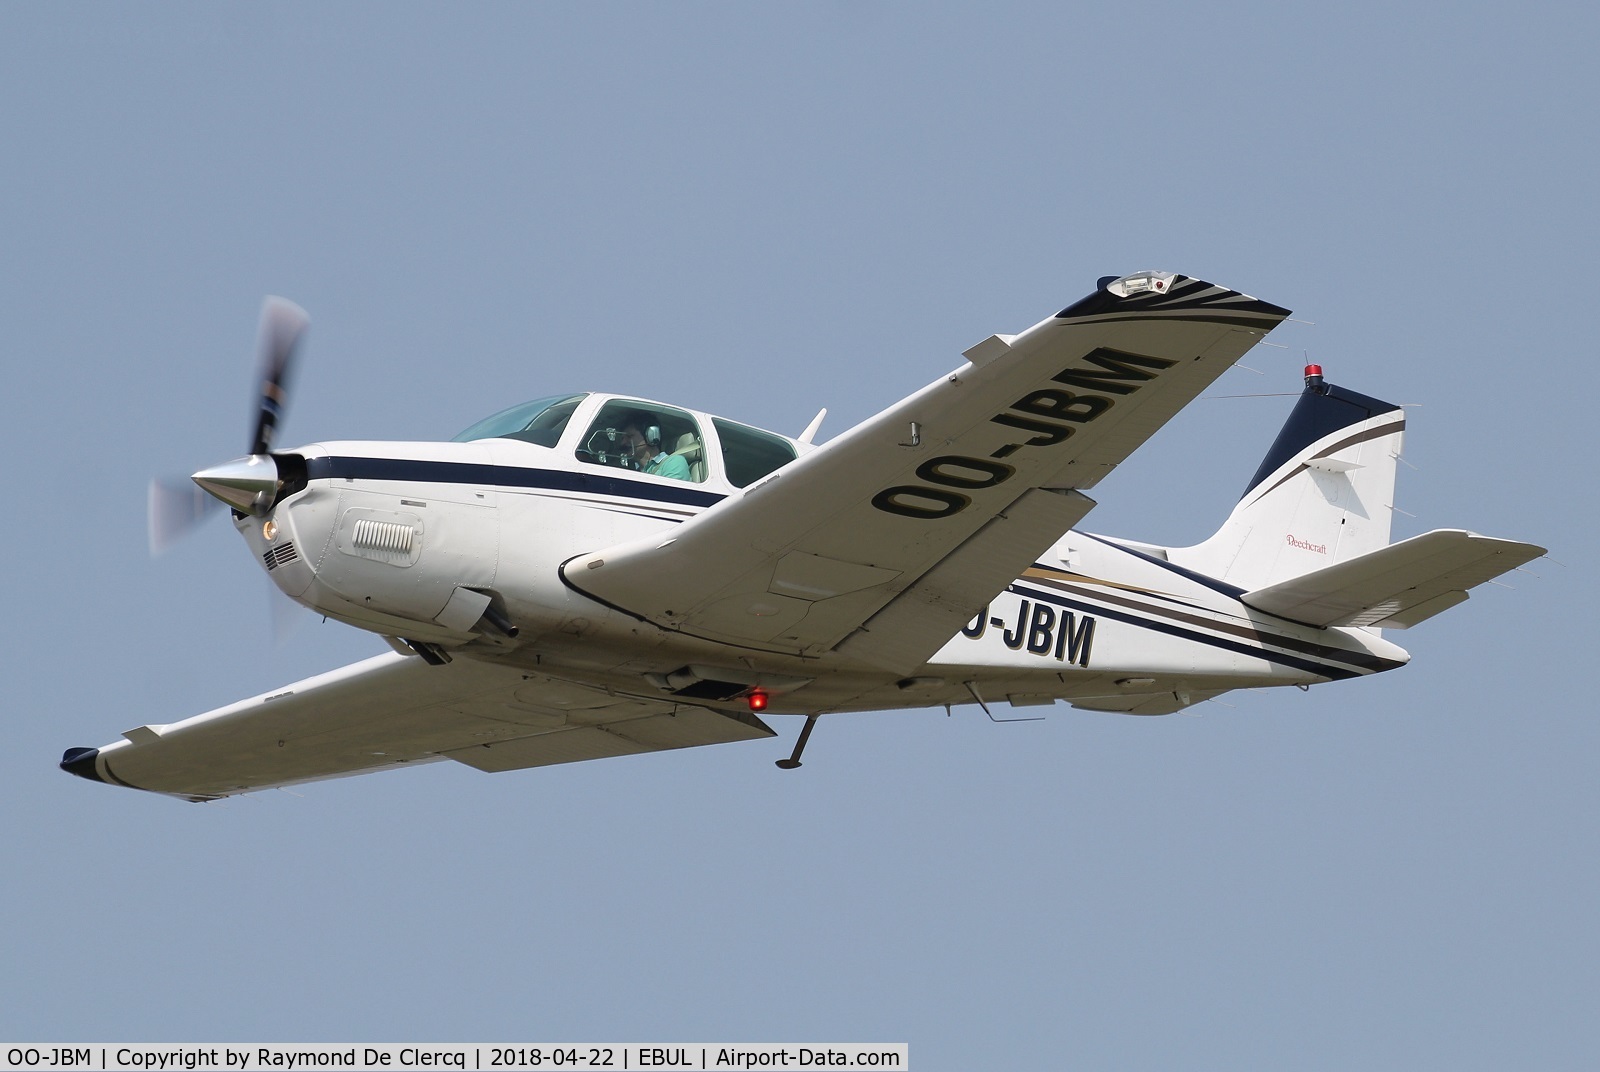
645,437
540,422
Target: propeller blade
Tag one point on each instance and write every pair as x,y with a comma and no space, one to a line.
282,325
177,508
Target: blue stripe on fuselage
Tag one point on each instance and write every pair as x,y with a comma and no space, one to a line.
1255,651
504,476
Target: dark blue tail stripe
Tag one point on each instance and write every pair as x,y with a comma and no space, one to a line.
1322,410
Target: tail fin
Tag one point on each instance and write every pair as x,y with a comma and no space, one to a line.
1323,495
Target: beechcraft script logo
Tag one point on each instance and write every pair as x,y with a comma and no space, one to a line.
1306,545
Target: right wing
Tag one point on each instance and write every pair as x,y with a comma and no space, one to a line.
879,544
392,711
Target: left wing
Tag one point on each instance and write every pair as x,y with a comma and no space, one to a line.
392,711
921,514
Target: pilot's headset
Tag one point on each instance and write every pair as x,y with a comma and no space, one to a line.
652,431
646,423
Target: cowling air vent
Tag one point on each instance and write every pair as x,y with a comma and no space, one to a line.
388,536
279,555
385,537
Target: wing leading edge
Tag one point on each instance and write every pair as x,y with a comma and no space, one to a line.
393,711
804,560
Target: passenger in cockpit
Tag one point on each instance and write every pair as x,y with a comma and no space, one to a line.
649,455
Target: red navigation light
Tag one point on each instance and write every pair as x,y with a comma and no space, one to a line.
758,700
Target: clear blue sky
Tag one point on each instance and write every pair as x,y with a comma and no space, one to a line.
761,210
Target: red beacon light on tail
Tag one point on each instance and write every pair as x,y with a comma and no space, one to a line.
1313,376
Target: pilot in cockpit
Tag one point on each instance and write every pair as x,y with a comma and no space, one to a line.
649,455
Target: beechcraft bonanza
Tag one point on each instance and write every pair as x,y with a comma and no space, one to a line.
589,575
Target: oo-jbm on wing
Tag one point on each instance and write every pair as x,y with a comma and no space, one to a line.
880,543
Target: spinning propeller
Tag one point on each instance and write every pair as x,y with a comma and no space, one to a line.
249,484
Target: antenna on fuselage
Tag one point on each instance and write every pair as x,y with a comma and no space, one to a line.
811,429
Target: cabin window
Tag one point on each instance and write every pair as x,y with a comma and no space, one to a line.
646,438
539,422
748,454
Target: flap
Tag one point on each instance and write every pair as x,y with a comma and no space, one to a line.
1396,586
921,619
1146,703
637,731
801,560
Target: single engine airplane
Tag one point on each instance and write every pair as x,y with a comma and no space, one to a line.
591,575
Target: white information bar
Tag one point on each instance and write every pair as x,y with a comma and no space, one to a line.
465,1057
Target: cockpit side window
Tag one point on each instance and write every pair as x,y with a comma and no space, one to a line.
540,422
749,454
646,438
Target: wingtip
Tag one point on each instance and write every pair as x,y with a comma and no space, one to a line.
81,762
1171,293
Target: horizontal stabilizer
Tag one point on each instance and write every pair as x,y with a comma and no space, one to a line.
1396,586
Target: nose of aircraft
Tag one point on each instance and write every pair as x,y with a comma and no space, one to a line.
246,484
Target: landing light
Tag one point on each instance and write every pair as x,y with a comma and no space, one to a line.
1140,283
269,530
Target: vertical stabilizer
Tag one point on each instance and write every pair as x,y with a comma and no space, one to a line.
1323,495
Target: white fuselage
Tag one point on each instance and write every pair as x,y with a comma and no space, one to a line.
407,539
